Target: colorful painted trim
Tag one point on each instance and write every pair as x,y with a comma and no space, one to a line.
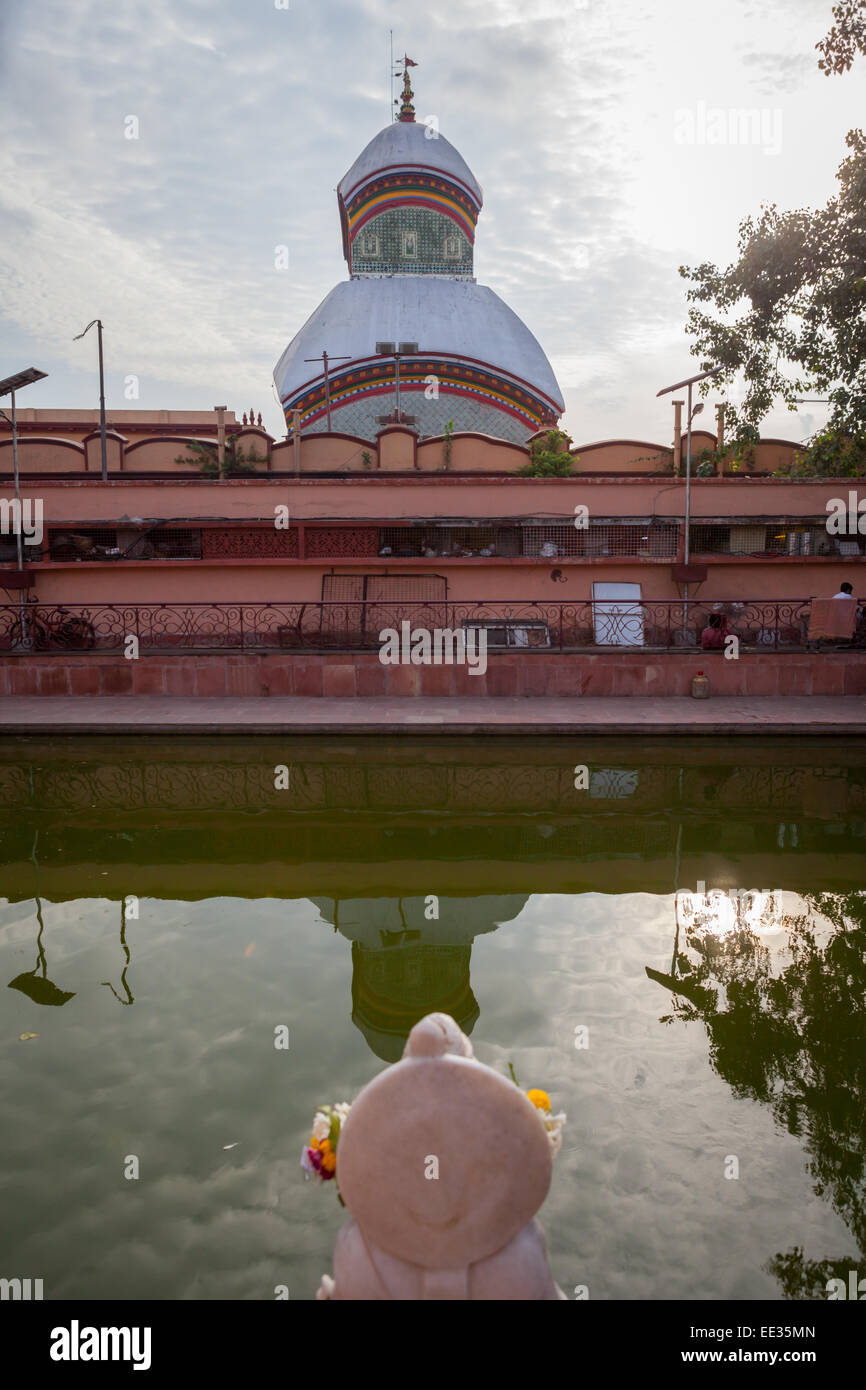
411,189
375,377
418,191
392,171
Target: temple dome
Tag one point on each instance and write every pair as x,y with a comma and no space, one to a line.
408,145
466,335
411,335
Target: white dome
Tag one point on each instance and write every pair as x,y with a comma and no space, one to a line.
449,318
407,145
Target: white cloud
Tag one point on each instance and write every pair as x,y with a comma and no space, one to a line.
249,116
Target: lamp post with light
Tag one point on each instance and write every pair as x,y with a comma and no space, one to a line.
689,382
102,441
8,387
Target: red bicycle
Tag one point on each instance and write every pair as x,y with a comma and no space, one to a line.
56,629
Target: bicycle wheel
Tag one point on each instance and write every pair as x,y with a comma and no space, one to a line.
75,633
32,633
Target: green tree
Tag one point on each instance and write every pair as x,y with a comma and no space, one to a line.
846,39
236,463
549,457
789,315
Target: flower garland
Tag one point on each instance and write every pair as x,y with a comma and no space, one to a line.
319,1156
552,1123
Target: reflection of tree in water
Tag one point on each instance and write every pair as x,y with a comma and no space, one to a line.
796,1041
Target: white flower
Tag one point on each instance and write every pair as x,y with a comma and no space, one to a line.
553,1124
342,1109
321,1125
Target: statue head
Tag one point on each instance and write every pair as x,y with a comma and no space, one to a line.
442,1160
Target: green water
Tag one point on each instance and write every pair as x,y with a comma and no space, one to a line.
165,908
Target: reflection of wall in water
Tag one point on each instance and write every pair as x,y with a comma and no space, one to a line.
126,784
405,965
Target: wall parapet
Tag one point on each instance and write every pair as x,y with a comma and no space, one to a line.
397,450
542,674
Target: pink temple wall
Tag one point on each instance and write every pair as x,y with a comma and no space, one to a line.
389,501
386,499
272,581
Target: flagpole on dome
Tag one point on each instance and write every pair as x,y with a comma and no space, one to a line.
391,79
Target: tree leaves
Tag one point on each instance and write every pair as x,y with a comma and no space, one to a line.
846,38
789,315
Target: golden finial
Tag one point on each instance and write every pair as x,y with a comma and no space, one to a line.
407,110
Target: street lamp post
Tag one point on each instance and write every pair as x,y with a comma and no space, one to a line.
398,357
102,439
8,387
326,358
692,413
689,382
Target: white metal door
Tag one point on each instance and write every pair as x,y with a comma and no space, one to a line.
617,615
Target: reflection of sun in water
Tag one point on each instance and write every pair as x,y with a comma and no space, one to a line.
719,915
740,923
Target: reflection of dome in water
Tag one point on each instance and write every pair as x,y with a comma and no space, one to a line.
404,966
393,989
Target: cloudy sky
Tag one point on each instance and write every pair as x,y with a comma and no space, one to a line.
593,127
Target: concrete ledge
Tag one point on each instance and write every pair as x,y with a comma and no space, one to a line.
339,675
413,715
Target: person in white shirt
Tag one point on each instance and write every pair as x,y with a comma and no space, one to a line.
846,591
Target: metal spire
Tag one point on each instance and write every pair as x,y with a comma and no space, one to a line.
407,110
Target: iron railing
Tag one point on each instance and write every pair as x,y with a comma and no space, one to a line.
515,624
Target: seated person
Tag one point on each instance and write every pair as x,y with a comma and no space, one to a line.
713,635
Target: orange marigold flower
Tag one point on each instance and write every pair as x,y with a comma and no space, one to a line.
329,1162
540,1099
325,1146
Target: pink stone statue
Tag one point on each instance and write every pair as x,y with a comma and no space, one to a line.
442,1164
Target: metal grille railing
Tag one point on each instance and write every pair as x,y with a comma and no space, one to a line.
177,628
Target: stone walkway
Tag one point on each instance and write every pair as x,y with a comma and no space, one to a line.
147,714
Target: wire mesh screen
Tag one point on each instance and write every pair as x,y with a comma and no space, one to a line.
175,543
650,539
747,539
410,588
534,539
758,538
442,541
357,607
343,588
83,542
